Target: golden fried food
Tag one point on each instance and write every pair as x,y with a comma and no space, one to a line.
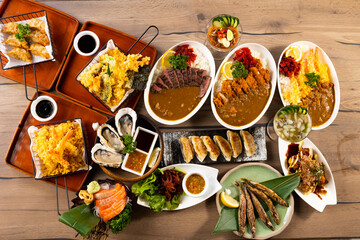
39,50
37,24
11,28
60,148
39,37
14,42
20,54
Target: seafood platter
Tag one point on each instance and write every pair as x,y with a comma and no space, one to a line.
169,171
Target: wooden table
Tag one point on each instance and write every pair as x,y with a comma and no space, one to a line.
28,207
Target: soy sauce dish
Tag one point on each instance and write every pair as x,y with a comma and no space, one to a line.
86,43
43,109
195,184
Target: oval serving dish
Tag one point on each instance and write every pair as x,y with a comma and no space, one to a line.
312,199
265,54
157,67
333,77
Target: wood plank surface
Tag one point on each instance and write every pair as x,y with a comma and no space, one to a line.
28,207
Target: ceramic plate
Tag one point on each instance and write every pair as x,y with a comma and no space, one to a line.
187,201
312,199
333,76
258,172
207,54
265,54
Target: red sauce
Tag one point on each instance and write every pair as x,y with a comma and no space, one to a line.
136,161
144,140
195,184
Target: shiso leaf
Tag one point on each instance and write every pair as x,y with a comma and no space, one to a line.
283,186
81,219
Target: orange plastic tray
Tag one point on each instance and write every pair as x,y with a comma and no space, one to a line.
19,156
69,87
63,28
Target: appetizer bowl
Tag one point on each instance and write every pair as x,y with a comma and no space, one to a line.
270,65
191,180
333,76
312,199
208,56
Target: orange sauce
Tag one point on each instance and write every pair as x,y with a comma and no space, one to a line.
195,184
136,161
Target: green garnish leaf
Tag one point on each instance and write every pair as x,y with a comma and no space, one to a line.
283,186
108,72
130,144
118,223
24,32
81,219
239,70
313,79
178,61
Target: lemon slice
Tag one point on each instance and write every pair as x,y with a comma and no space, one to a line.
165,58
153,157
228,201
229,35
295,52
226,70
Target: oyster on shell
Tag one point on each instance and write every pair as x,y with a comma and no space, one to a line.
105,156
110,138
125,121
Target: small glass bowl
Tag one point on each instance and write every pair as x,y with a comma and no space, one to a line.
219,53
187,191
288,126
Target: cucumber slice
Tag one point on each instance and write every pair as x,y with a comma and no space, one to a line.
236,23
225,20
217,24
232,21
229,20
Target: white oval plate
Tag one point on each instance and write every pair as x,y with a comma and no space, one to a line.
187,201
333,75
207,54
270,65
312,199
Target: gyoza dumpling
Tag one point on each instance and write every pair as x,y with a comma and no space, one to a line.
10,27
224,146
37,24
13,41
38,37
211,147
20,54
235,142
39,50
199,147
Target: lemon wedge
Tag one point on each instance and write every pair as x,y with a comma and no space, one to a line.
153,157
295,52
165,58
226,70
228,201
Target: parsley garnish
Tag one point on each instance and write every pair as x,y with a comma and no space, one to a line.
108,72
178,61
313,79
239,70
24,32
130,144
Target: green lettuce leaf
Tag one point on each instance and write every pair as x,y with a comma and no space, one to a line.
157,202
118,223
283,186
81,219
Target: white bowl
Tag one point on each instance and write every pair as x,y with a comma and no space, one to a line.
207,54
83,33
333,76
187,191
34,104
271,66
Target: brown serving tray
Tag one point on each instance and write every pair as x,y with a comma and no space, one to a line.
69,87
63,28
19,156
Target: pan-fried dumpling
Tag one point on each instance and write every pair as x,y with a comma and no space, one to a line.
39,50
224,147
10,27
37,24
13,41
186,149
39,37
20,54
199,147
211,147
235,141
249,143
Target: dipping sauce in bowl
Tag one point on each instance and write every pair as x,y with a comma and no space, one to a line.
44,108
86,43
194,184
136,161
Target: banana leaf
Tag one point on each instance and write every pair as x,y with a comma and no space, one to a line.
81,219
283,186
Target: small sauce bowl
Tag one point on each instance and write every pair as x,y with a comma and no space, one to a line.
43,109
86,43
195,184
